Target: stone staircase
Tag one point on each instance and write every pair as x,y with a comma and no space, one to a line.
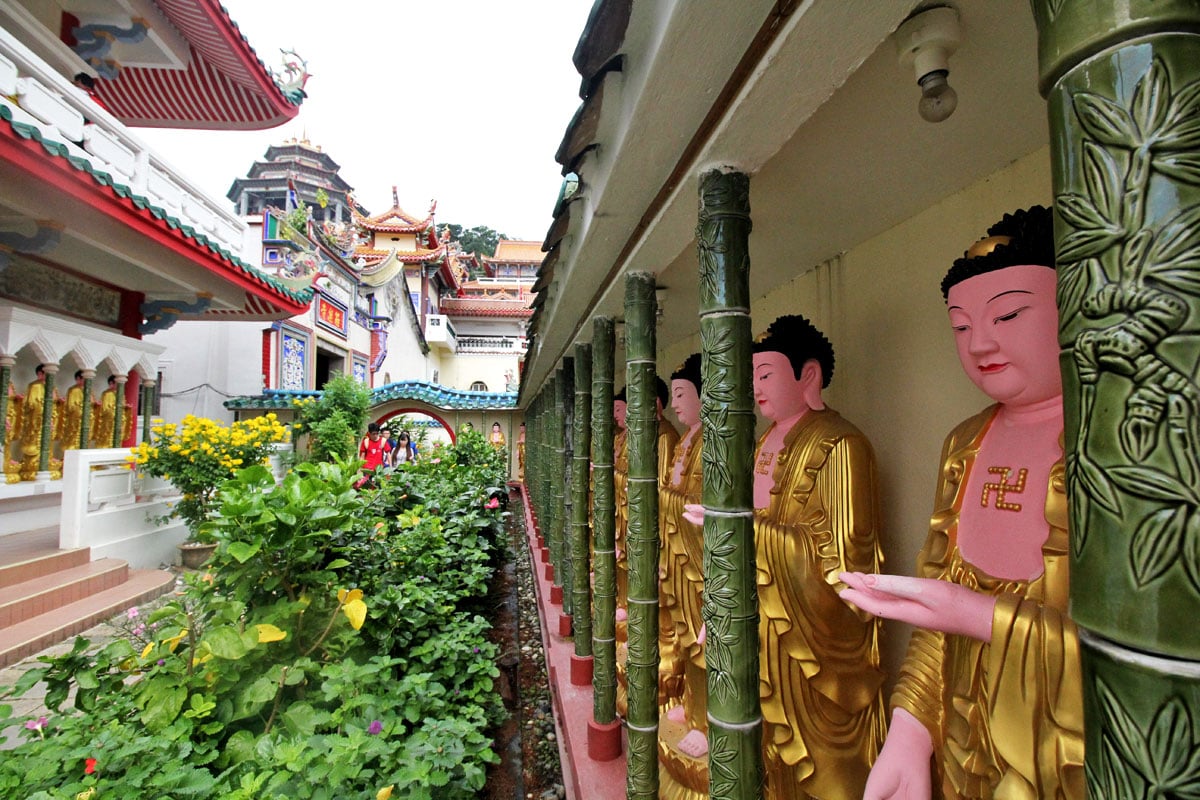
48,595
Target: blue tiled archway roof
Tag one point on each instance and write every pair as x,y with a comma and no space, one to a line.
416,391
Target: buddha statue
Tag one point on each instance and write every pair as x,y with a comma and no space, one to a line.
12,433
521,454
991,685
496,437
31,424
105,416
816,514
682,691
72,415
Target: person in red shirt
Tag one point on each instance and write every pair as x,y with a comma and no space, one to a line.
374,450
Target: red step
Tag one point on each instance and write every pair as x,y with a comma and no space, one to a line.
53,590
31,636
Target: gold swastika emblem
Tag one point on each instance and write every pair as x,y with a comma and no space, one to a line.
1002,487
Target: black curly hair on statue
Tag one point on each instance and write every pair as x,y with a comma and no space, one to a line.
799,340
1025,236
620,396
663,393
689,370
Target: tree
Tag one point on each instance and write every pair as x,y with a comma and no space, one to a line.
480,240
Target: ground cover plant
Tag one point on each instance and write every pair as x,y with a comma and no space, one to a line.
333,649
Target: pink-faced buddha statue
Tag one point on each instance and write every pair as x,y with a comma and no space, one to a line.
991,687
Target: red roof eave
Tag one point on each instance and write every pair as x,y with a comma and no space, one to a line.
31,157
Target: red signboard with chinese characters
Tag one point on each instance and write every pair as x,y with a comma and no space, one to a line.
331,315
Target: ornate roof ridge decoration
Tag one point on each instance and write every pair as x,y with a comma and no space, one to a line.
223,86
418,391
60,157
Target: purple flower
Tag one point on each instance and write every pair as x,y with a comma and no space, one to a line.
35,724
161,661
375,727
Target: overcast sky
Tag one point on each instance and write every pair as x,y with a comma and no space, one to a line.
459,101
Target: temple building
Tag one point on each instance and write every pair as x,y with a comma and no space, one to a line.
292,173
102,243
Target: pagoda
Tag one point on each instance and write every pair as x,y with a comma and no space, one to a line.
291,173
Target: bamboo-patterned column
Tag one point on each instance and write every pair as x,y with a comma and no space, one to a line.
6,365
604,641
147,407
119,412
642,537
566,500
45,446
554,452
1122,79
727,417
581,544
85,419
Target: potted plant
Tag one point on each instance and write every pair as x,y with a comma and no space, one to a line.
197,456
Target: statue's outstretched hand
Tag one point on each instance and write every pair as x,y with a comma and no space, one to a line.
924,602
693,513
902,770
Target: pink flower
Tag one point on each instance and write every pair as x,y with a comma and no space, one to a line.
375,727
35,724
493,503
132,613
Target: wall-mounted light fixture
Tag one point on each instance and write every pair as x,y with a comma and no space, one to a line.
925,41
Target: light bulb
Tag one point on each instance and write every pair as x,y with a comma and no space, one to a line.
938,98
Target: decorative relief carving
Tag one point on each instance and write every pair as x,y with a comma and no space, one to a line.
1126,284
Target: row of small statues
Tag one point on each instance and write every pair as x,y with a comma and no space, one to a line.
990,687
23,424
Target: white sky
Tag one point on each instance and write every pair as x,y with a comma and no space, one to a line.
459,101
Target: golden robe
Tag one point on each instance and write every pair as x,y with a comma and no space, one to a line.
1005,718
822,705
621,521
106,415
682,574
72,419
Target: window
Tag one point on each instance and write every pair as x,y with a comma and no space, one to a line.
479,386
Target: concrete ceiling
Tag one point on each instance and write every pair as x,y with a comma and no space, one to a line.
826,125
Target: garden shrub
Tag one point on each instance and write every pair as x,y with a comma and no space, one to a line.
333,650
335,420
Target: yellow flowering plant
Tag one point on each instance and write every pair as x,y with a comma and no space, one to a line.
198,455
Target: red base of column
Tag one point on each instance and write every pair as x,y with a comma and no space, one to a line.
555,594
541,544
545,554
604,740
549,572
581,670
564,629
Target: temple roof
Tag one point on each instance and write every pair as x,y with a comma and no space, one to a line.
420,391
484,307
510,251
222,86
61,169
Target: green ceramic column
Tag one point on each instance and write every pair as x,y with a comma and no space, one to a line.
46,445
119,413
147,408
641,422
563,571
557,483
1122,81
6,365
85,420
604,637
727,417
581,545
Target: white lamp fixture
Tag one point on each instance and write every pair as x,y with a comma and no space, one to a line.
925,41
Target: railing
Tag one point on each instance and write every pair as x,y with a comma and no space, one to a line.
62,113
119,513
106,506
491,344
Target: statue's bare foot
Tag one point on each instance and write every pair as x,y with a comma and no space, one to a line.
676,714
694,744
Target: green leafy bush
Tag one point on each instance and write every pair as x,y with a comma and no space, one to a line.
335,420
333,650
